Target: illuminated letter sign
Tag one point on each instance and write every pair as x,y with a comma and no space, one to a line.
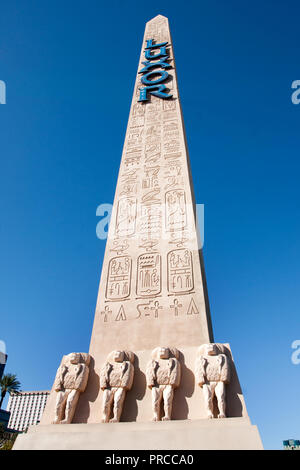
152,78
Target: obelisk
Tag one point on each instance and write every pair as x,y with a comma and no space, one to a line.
152,292
152,289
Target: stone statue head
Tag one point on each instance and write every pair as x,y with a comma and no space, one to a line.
120,356
77,358
162,352
212,349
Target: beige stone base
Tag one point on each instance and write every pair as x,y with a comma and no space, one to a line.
215,434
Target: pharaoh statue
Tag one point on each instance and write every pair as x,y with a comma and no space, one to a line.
163,376
212,373
71,380
116,378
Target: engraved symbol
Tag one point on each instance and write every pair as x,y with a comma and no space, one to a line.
170,126
126,215
137,121
169,104
192,308
129,178
180,271
148,275
138,109
120,246
148,244
176,306
142,308
172,146
121,315
119,278
105,313
150,220
149,198
175,210
173,174
156,308
180,240
151,177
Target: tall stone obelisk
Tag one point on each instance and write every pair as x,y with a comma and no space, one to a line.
152,290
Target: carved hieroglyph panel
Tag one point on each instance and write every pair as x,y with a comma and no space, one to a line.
119,278
175,210
180,271
126,217
148,275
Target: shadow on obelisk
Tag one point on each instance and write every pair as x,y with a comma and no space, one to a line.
137,393
90,395
186,389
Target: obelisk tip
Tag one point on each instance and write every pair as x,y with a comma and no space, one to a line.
157,17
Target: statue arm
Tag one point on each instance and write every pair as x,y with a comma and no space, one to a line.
82,378
104,376
200,371
58,381
150,373
128,374
175,372
225,369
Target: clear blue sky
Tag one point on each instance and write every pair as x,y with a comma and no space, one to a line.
69,67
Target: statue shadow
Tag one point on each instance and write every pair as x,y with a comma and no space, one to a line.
234,405
137,393
90,394
186,389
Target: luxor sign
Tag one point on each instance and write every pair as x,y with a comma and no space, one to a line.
154,72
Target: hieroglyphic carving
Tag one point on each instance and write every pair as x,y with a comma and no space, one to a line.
179,239
118,278
132,160
150,179
153,134
147,310
137,121
175,210
135,137
106,313
126,216
121,314
150,220
120,246
169,105
138,109
173,174
148,275
173,146
154,106
152,152
129,188
170,114
129,182
156,307
148,244
180,271
150,197
192,309
170,126
176,306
